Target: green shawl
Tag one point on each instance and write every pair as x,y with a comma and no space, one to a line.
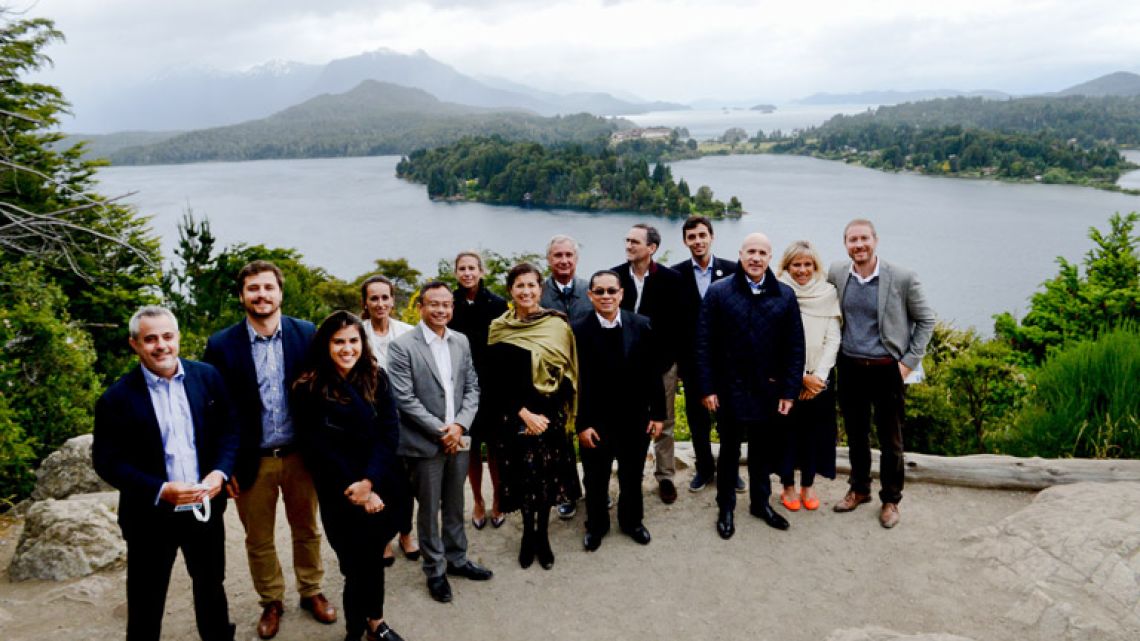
553,356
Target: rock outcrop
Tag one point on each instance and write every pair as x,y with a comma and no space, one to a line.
68,539
1074,555
68,471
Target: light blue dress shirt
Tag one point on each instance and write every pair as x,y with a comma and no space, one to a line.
176,424
269,363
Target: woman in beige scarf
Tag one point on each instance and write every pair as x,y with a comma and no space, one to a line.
532,383
811,423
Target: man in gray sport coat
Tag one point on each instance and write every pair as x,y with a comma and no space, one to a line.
437,391
886,326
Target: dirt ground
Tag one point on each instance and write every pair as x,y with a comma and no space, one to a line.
829,571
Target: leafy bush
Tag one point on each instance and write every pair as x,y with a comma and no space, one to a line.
1086,401
48,383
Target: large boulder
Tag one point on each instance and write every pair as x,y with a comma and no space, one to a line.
68,471
1074,555
67,539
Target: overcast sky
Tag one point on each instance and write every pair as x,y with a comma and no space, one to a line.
666,50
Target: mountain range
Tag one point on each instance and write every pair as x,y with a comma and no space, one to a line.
195,98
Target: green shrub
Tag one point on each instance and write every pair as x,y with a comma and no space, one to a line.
48,381
1086,401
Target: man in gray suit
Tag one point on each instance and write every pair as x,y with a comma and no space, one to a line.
564,291
437,391
886,326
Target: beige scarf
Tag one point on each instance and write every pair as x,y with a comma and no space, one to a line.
817,298
553,355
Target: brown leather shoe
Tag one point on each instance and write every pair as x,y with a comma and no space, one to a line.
320,607
851,501
889,515
270,620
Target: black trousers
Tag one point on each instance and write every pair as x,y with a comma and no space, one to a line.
358,540
866,391
629,451
700,427
151,551
760,465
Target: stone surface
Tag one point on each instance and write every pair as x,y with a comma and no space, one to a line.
67,539
68,471
1074,554
882,634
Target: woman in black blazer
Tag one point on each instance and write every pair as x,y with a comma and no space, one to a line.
347,422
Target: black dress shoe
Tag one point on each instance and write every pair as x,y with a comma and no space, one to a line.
440,589
769,516
639,534
470,570
725,526
667,491
592,541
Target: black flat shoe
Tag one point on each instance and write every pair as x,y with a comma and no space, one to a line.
545,555
383,633
639,534
768,515
725,526
479,524
592,541
498,521
389,561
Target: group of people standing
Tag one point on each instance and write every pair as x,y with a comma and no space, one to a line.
366,416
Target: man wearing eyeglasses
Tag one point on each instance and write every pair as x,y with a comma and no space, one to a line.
166,436
621,405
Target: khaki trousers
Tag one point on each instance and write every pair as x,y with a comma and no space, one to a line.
665,465
257,508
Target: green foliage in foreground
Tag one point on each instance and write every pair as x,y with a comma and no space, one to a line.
1077,304
1086,401
493,170
48,384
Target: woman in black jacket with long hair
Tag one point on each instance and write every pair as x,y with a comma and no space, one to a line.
475,308
347,422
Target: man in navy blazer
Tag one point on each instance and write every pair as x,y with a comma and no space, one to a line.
166,438
750,362
697,272
259,358
652,290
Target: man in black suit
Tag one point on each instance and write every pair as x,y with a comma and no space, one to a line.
166,437
621,405
697,272
750,363
652,290
259,357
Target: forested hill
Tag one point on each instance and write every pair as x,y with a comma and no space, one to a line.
372,119
1071,139
593,176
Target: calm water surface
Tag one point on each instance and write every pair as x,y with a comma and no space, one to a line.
979,247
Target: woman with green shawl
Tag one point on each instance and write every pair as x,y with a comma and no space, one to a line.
531,384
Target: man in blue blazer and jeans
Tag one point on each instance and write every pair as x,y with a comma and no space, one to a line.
259,357
166,438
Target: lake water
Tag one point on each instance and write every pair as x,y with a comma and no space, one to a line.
979,247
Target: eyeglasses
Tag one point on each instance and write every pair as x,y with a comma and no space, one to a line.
602,291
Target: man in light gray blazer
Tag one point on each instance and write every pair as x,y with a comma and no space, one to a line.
437,391
886,326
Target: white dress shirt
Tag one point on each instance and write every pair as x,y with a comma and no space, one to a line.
442,356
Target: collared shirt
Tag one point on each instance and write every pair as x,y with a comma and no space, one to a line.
639,285
269,363
703,276
757,288
873,276
176,425
442,356
607,324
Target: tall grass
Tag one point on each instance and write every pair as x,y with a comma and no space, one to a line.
1086,401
